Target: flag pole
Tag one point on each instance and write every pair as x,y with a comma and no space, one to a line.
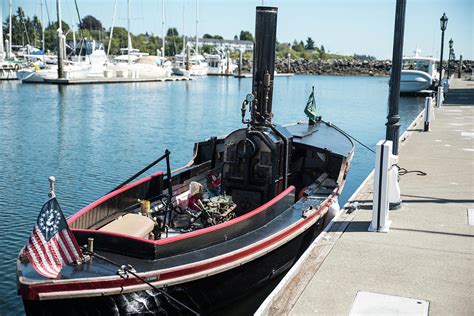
52,179
310,121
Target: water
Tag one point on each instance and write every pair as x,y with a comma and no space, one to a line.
92,137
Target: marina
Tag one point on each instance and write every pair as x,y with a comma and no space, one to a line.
429,248
179,175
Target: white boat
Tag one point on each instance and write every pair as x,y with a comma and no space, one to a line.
146,67
90,61
219,63
197,65
72,70
418,74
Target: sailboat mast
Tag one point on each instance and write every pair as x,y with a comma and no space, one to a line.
163,27
60,41
112,28
42,26
184,39
197,21
129,47
10,30
1,33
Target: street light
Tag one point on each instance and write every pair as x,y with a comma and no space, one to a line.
443,21
451,51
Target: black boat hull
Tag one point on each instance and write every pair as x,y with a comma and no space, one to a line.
203,295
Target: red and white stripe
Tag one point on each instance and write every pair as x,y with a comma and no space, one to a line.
47,258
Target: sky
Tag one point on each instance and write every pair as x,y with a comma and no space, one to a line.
342,26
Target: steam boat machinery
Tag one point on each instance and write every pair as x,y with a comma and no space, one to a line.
237,216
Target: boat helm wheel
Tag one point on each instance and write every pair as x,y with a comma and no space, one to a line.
246,148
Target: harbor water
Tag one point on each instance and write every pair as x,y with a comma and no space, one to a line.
92,137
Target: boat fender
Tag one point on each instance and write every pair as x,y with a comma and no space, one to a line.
17,67
333,210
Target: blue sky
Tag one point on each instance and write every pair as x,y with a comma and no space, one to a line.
342,26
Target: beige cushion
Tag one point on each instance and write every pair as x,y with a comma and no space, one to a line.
131,224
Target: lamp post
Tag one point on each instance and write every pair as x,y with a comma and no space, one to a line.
450,57
443,21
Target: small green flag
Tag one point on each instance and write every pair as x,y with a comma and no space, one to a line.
310,109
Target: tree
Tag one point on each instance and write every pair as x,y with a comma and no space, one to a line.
309,44
172,31
246,36
298,46
90,23
322,53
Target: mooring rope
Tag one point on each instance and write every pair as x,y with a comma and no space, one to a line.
128,269
350,136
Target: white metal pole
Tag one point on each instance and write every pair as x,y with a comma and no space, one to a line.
428,101
112,28
60,41
42,27
197,21
380,220
184,39
10,30
129,47
163,28
2,50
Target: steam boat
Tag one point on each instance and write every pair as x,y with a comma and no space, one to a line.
238,215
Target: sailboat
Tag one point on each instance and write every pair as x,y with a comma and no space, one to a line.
189,62
132,62
236,217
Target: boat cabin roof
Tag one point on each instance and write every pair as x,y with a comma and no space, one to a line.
432,59
326,137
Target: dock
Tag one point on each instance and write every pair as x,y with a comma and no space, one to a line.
424,264
93,80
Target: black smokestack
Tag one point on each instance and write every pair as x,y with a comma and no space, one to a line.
264,64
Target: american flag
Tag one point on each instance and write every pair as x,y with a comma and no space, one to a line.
52,244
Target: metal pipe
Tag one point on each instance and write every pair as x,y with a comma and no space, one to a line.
393,118
264,64
460,66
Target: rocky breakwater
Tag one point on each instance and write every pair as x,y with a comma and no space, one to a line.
338,67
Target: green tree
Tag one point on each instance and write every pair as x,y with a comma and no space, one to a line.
51,35
322,53
172,31
246,36
309,44
90,23
298,46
